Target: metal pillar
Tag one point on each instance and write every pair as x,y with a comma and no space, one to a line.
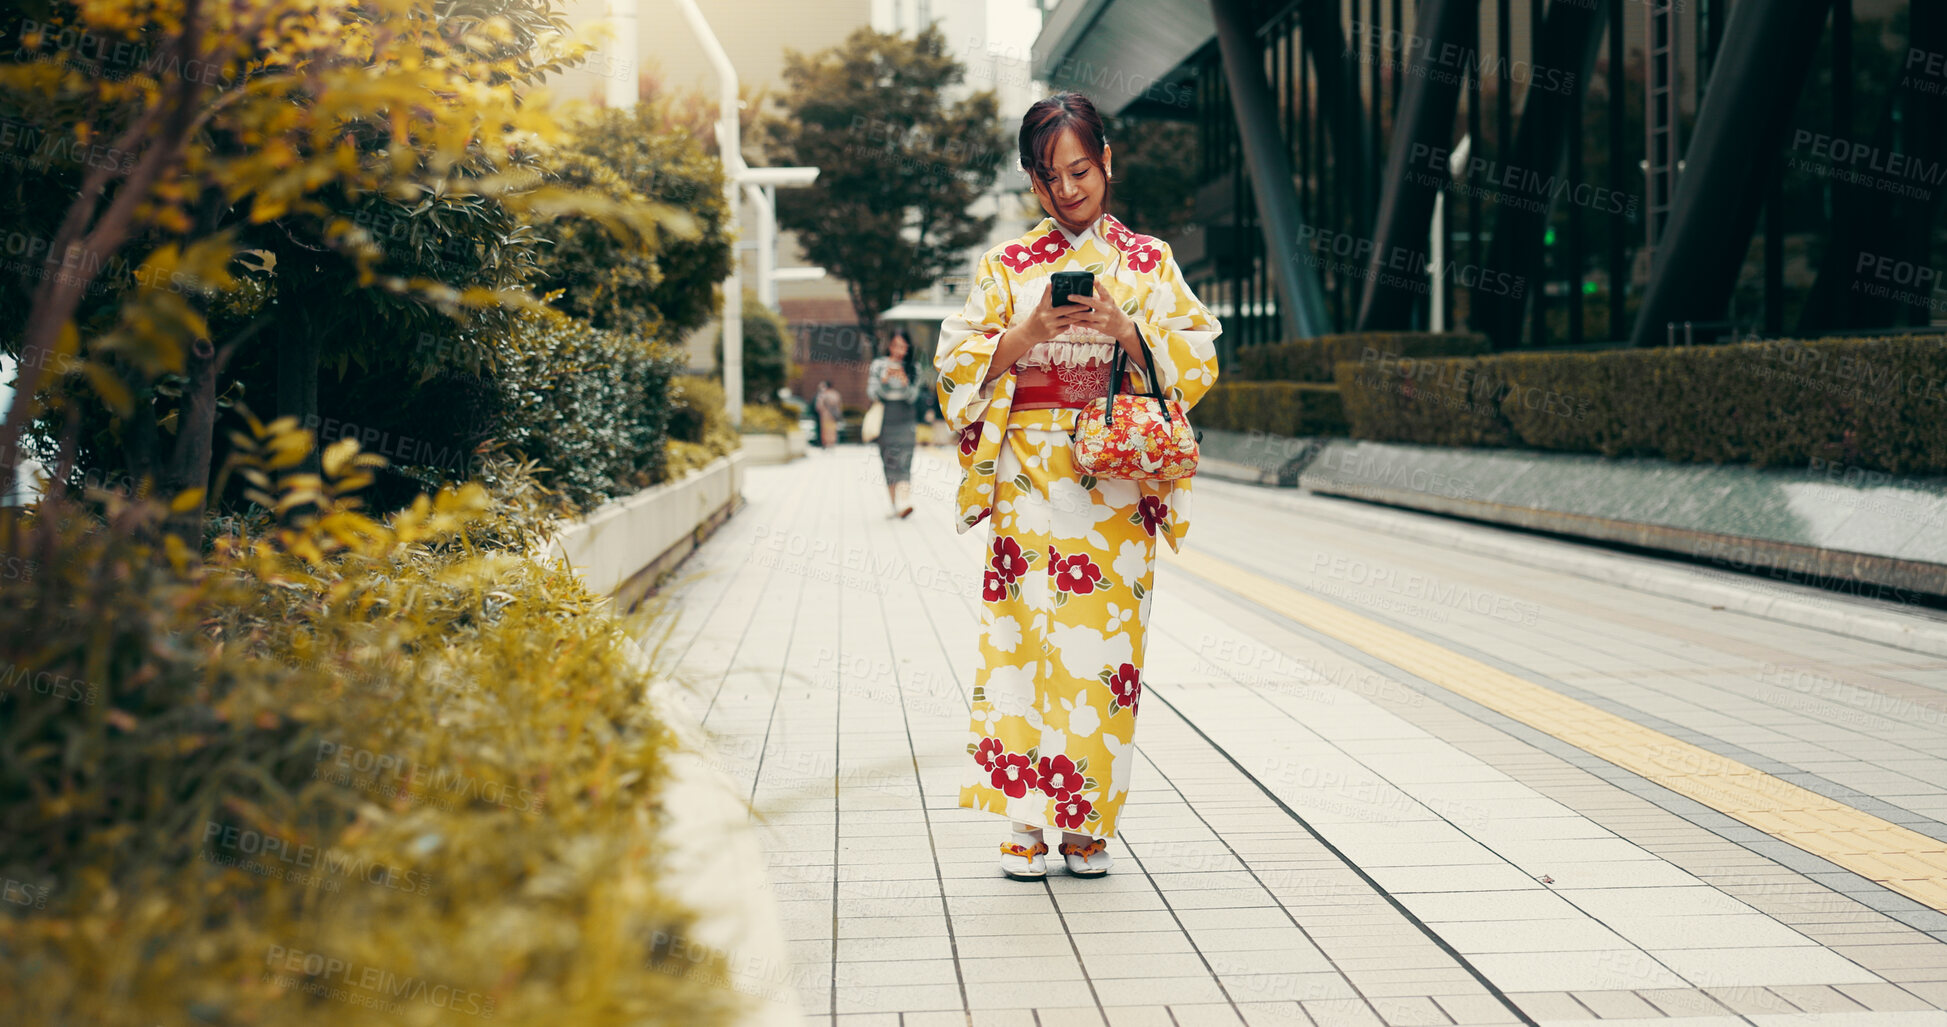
764,198
1338,99
1879,235
1567,42
730,150
1300,300
1661,145
623,91
1768,50
1416,166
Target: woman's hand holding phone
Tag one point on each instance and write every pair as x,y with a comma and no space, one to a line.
1048,320
1101,313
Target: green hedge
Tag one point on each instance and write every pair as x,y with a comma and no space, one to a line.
1312,360
1277,408
592,407
1870,403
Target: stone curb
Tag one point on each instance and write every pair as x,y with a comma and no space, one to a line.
1920,631
715,864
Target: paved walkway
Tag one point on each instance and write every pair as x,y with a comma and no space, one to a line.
1380,782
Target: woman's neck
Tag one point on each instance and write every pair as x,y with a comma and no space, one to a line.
1077,229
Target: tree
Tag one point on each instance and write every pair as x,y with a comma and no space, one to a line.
646,154
900,164
260,144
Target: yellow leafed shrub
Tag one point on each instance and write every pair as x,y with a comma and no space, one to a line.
699,428
335,770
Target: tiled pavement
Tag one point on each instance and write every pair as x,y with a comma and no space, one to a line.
1314,836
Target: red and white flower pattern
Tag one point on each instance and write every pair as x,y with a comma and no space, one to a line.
993,587
1007,560
1013,774
1072,813
1127,687
1057,776
1141,249
1045,250
1059,675
1144,444
1075,573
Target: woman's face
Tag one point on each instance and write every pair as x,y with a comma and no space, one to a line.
896,349
1074,188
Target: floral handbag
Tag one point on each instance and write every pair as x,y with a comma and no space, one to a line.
1146,438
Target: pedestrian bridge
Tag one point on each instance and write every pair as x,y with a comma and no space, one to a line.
1386,776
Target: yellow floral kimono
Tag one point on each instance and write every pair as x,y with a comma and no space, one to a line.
1070,560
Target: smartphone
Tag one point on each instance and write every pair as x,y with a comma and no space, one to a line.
1063,284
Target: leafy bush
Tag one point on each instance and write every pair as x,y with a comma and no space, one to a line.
592,407
662,286
1312,360
1399,401
1290,409
400,745
375,169
699,428
767,420
1871,403
767,351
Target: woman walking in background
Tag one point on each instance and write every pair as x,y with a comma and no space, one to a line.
1066,586
829,407
893,381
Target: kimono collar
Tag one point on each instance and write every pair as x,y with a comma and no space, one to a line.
1075,239
1113,234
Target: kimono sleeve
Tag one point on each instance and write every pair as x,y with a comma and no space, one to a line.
966,347
1181,332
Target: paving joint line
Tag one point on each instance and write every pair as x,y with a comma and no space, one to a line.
1073,947
932,843
1241,861
1814,781
1380,776
1521,681
731,661
1229,999
1432,935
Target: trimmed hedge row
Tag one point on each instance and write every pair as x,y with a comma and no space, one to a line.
1870,403
592,406
1290,409
1312,360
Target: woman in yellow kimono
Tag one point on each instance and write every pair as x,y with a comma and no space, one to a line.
1066,586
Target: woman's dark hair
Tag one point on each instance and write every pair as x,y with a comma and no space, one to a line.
1046,120
912,366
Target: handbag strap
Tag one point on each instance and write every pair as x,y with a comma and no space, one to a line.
1115,380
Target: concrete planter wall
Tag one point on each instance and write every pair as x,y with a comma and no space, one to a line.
622,546
762,449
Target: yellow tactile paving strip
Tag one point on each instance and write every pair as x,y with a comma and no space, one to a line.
1903,860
